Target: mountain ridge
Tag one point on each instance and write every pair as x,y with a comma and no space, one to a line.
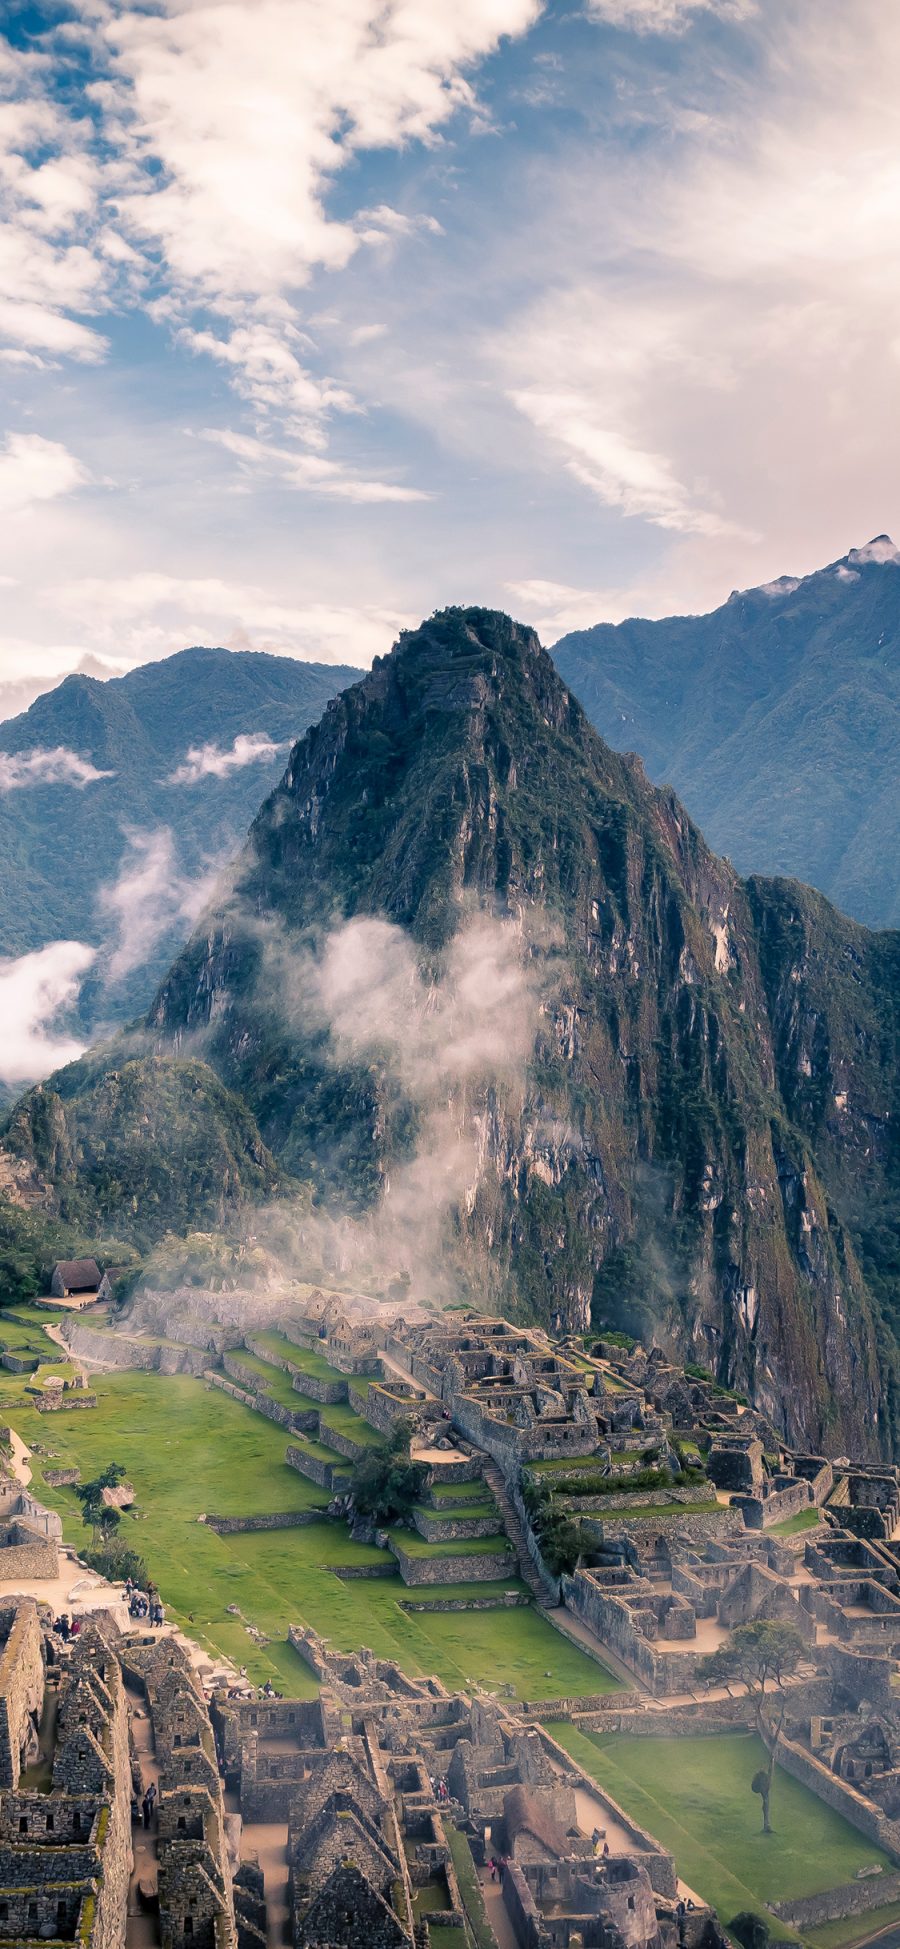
60,844
776,717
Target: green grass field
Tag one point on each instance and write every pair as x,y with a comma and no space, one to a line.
793,1525
192,1450
694,1796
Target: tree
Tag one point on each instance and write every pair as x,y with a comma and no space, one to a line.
386,1484
750,1930
762,1656
559,1538
98,1516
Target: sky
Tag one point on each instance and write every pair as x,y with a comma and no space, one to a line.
316,315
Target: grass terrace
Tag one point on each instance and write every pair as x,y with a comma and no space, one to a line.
192,1450
307,1359
694,1795
461,1511
274,1381
346,1422
415,1545
461,1492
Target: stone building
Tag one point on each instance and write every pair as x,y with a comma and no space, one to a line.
65,1838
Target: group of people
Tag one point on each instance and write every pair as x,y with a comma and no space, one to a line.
144,1603
66,1627
497,1865
440,1790
145,1812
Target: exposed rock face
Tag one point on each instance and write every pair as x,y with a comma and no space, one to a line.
678,1151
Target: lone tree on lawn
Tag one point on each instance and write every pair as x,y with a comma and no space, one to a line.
98,1515
762,1655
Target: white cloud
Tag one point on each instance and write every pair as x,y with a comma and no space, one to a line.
308,472
248,112
691,357
148,614
665,16
232,122
33,469
49,184
216,761
46,767
35,991
150,895
881,550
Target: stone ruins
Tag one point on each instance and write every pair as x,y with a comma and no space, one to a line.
693,1519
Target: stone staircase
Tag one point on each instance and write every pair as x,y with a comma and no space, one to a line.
515,1530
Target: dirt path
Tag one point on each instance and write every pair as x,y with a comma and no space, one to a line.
496,1911
20,1455
142,1929
266,1842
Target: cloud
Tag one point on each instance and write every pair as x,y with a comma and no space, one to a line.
35,991
212,761
308,471
148,614
475,1017
665,16
241,116
58,766
49,207
33,469
150,895
451,1036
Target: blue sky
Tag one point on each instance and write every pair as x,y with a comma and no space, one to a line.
318,314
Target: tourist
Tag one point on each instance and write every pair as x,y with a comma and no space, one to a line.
493,1868
146,1805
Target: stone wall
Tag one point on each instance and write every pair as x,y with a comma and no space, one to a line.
24,1556
63,1401
21,1683
383,1405
114,1349
659,1865
840,1795
18,1501
760,1512
298,1420
445,1528
316,1469
326,1392
612,1622
288,1519
481,1567
853,1898
510,1600
61,1478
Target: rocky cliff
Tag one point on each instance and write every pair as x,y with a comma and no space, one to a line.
706,1112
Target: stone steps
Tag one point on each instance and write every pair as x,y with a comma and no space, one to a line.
515,1530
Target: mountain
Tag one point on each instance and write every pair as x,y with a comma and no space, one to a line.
777,720
61,842
700,1146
